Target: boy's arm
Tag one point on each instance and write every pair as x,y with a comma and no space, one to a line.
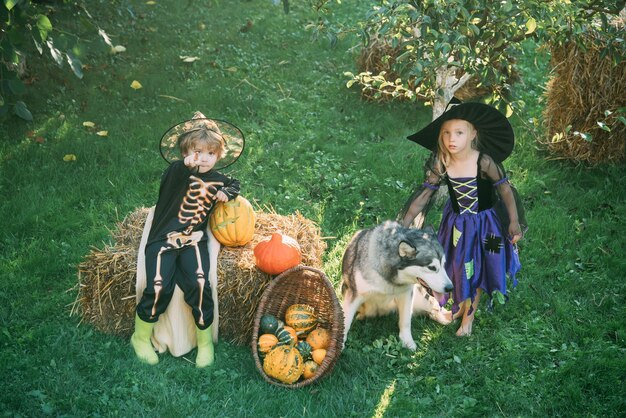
231,188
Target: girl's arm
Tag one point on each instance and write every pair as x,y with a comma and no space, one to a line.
419,202
496,173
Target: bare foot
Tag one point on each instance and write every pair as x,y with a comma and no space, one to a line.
465,330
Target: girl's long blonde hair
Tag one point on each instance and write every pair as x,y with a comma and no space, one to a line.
442,153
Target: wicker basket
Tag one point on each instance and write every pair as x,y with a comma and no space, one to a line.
307,285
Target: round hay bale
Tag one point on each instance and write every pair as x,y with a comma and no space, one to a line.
585,85
106,277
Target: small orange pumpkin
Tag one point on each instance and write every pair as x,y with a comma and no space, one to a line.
310,368
318,355
266,343
319,338
277,253
232,222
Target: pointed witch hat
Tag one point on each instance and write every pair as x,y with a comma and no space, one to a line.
496,137
234,140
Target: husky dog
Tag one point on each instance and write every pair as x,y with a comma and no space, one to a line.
385,267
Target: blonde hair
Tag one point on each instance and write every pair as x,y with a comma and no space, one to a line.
206,134
442,153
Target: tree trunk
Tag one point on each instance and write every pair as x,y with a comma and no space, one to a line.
447,85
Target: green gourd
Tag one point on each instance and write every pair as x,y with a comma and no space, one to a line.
268,324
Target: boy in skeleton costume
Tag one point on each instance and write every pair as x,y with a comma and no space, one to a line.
176,251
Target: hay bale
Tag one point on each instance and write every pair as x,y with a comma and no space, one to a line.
240,284
583,87
106,277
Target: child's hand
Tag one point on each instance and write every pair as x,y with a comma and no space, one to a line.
515,232
191,160
220,196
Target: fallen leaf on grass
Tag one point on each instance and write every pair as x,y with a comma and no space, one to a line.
232,69
151,3
102,133
185,58
40,140
118,48
89,124
69,157
136,85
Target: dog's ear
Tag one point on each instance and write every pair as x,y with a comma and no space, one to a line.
406,250
429,230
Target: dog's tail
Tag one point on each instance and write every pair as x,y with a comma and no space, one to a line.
348,264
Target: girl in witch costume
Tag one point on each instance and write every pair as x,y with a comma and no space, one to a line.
176,252
483,219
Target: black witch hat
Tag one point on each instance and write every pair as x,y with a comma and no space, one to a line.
496,137
234,140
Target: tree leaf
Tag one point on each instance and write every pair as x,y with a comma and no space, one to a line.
56,54
44,26
102,133
89,124
136,85
531,25
22,111
603,126
9,4
16,86
75,64
69,157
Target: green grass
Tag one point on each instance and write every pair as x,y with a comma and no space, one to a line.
558,348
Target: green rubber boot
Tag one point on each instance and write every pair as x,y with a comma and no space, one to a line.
206,355
140,340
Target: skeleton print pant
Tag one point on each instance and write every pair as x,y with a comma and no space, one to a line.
169,265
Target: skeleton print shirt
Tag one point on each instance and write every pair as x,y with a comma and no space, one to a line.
186,199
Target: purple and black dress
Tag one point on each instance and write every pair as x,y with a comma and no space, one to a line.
474,231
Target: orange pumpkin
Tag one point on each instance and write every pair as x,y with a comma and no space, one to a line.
318,355
284,363
310,368
277,253
232,222
266,343
319,338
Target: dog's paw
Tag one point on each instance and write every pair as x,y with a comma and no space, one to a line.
410,344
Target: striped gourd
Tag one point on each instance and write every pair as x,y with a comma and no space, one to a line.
284,337
301,317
